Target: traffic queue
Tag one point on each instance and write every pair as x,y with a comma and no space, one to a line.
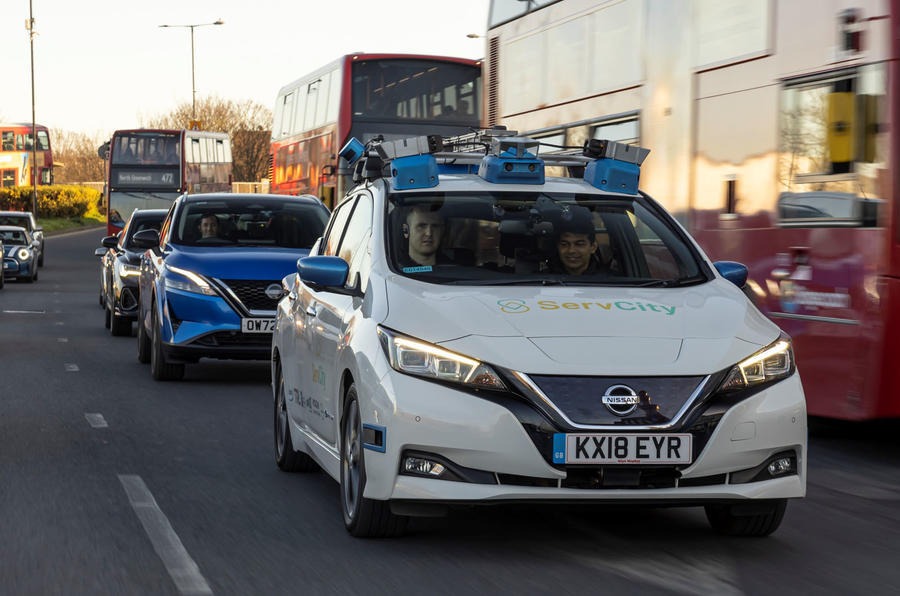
466,329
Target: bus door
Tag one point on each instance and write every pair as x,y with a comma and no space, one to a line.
820,291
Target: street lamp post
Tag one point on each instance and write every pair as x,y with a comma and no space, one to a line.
193,78
29,25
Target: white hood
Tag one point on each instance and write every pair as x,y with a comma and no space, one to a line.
586,330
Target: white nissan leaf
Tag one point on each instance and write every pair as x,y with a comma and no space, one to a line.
472,331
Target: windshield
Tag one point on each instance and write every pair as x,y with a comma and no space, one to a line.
146,148
260,221
14,237
16,220
538,238
408,90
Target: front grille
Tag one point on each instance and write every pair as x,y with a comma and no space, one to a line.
252,293
614,477
234,339
580,399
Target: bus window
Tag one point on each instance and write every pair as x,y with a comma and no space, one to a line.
9,140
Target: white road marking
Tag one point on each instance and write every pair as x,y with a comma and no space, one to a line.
71,367
96,420
168,546
23,312
62,340
59,323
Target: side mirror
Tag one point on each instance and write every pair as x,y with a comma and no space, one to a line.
99,252
110,241
736,273
36,244
323,271
146,239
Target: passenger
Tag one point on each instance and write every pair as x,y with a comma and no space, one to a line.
209,226
576,247
424,228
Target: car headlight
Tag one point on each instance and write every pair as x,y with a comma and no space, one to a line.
127,270
23,254
421,359
187,281
772,363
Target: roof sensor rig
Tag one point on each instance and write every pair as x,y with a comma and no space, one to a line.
499,156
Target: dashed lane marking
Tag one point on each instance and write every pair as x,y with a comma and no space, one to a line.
181,567
96,420
71,367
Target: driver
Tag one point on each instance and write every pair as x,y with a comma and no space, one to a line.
209,226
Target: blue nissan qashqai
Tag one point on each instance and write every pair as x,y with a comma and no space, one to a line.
210,279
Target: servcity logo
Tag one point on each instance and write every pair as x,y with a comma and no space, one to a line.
517,306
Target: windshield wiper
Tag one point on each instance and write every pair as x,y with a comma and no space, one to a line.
670,283
543,281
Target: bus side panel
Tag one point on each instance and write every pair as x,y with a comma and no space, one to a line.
821,286
884,382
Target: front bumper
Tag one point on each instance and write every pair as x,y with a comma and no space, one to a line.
199,326
510,465
14,269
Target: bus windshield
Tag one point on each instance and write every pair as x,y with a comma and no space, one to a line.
142,148
415,89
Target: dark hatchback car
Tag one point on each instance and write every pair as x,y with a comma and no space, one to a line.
19,257
120,267
26,219
211,280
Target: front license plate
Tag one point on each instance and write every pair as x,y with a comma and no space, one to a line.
257,325
621,448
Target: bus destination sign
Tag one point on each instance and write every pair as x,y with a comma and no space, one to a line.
164,178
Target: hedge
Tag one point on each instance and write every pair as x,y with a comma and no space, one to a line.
58,200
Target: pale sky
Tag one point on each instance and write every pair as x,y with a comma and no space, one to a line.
100,65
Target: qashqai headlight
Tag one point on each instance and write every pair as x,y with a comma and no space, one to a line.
421,359
187,281
772,363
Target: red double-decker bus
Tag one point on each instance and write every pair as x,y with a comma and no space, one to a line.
364,96
150,168
19,155
774,130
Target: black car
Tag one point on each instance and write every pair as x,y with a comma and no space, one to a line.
120,268
26,219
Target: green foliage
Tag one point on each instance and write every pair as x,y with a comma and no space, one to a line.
52,201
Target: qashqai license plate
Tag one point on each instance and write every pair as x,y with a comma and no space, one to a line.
249,325
621,448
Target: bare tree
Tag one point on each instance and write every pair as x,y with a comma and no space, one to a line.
76,153
247,122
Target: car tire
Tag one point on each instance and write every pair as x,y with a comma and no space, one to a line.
120,326
287,459
35,276
107,317
41,258
362,517
751,519
143,342
2,281
159,368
